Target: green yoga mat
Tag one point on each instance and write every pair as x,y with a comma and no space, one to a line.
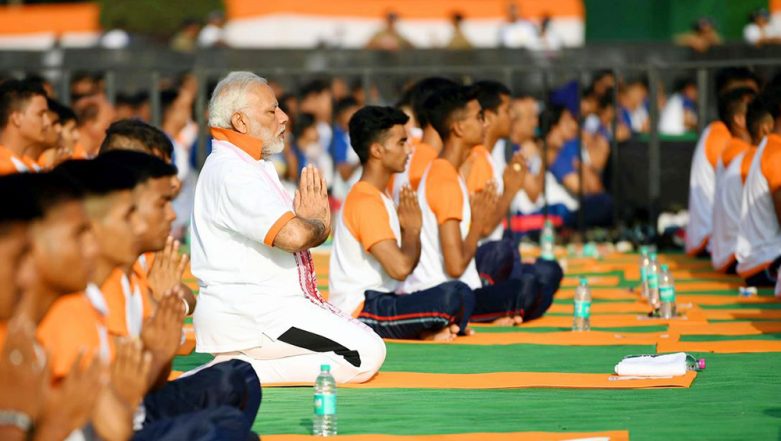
735,398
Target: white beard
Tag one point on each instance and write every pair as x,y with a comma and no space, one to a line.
273,147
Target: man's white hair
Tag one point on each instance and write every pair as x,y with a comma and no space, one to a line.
229,95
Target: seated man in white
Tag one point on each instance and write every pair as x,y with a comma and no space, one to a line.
258,297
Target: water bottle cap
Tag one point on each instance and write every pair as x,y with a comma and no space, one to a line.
583,281
701,363
653,256
643,250
325,368
665,267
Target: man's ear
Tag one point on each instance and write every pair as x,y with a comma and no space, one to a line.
739,120
376,150
489,117
16,118
238,123
456,128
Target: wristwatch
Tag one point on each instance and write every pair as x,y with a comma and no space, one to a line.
17,419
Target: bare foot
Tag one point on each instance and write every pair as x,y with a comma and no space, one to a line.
443,334
517,320
504,321
469,331
454,329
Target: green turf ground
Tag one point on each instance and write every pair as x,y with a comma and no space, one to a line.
738,396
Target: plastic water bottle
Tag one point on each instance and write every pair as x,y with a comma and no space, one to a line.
582,319
324,421
653,281
694,364
666,293
645,263
547,241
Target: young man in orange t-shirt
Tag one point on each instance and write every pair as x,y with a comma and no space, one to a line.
377,245
453,221
200,399
24,123
47,273
497,257
428,147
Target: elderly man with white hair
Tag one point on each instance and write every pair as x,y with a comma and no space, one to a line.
259,300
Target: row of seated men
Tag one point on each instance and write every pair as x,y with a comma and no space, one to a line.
735,190
92,304
84,290
410,260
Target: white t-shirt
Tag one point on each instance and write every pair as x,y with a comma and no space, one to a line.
752,33
442,195
367,218
759,234
210,35
248,287
702,185
726,213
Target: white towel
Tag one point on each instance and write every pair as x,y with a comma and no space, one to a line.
668,365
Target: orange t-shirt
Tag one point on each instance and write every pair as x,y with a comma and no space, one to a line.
10,163
443,191
114,291
421,158
365,215
73,325
79,152
718,138
477,169
734,147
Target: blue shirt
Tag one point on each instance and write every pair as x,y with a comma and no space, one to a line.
339,145
563,165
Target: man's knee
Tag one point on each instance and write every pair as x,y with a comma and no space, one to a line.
371,349
454,295
549,272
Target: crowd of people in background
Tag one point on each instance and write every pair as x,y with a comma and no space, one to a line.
537,34
591,118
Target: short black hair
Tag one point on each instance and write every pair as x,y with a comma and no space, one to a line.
551,116
314,87
98,177
154,139
143,165
14,94
729,74
64,113
19,202
772,96
733,103
758,109
443,105
370,124
344,104
489,94
302,122
682,83
606,100
53,188
421,91
167,99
